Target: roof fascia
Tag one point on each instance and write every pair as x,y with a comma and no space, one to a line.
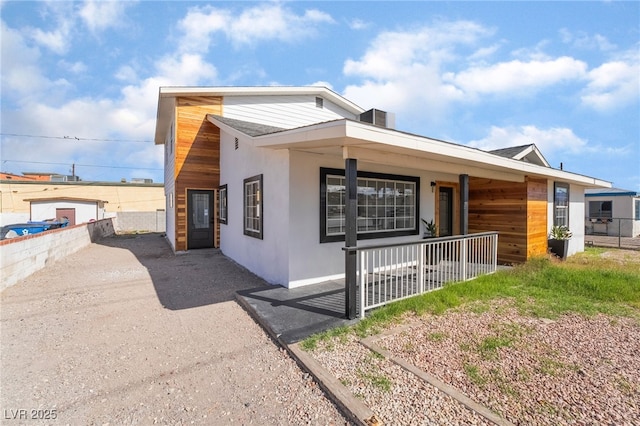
614,194
350,132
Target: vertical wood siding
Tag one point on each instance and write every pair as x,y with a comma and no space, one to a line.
536,217
197,154
518,211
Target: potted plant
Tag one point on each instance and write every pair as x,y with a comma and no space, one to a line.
559,241
430,229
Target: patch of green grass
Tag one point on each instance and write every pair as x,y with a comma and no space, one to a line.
311,343
377,380
551,367
489,346
587,283
437,337
474,375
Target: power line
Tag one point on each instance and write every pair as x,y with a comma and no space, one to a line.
81,165
73,138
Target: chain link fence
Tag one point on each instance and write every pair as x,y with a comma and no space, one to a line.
612,232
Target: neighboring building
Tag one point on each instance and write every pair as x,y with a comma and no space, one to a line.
613,212
260,172
136,206
73,210
11,176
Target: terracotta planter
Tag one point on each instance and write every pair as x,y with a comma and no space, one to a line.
559,248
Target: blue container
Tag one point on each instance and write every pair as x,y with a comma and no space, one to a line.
29,228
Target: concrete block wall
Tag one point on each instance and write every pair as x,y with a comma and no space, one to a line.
141,221
22,256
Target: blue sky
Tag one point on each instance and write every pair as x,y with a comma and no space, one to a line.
80,79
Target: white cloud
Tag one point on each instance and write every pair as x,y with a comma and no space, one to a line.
58,39
100,15
614,84
77,67
22,78
548,141
582,40
401,70
358,24
517,76
271,21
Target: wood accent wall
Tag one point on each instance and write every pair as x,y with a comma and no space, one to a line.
197,161
517,210
537,219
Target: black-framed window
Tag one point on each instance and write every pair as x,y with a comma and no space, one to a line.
222,204
388,205
253,206
637,209
601,209
561,204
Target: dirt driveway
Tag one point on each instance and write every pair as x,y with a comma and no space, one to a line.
124,332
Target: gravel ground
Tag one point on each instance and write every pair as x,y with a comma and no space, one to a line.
574,370
124,332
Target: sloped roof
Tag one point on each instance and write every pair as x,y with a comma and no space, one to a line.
167,95
527,153
247,127
389,146
511,151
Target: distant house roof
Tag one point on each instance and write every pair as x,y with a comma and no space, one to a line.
70,199
613,192
11,176
527,153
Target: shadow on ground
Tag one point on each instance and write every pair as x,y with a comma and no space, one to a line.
205,277
188,280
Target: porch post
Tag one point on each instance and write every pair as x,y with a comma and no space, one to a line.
351,236
464,204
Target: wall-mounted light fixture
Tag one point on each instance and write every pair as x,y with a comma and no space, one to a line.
433,186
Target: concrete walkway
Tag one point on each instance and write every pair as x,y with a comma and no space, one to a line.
125,332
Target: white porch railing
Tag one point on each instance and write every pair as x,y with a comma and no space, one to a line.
387,273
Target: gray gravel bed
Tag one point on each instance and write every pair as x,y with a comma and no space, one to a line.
532,371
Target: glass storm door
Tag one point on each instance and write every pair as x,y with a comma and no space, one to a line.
200,219
446,211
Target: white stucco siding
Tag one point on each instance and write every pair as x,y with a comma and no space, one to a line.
267,258
576,215
282,111
169,186
312,261
85,210
170,202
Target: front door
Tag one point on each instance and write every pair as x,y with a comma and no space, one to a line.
445,225
68,214
200,219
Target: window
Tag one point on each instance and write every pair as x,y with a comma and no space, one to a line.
600,209
253,206
387,205
222,200
561,204
319,102
637,202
